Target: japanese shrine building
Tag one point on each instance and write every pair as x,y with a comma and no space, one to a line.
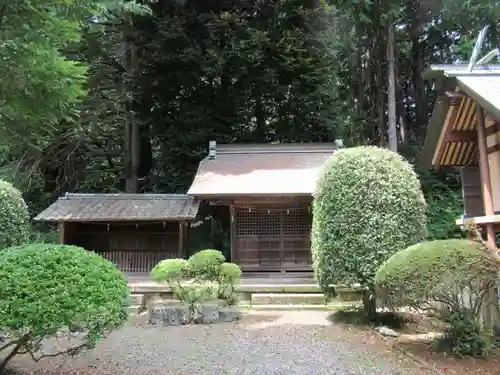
269,189
133,231
465,133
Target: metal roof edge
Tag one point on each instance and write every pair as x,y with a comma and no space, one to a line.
484,102
259,148
434,71
227,195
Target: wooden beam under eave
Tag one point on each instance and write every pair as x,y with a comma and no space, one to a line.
484,169
456,136
451,116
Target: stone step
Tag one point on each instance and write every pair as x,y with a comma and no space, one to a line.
288,299
136,299
324,307
134,309
141,287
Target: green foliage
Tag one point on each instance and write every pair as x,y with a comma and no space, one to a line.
229,272
368,205
443,208
451,278
14,217
228,276
43,236
464,337
443,195
434,271
170,270
206,264
42,84
48,289
204,276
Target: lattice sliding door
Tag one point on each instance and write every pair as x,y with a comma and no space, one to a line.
272,238
296,237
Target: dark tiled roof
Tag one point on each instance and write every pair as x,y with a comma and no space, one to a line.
120,207
260,169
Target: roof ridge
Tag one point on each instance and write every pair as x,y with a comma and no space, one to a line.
146,196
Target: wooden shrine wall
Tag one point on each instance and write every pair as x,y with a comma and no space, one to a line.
134,248
271,237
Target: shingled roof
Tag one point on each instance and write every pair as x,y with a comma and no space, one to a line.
261,169
120,207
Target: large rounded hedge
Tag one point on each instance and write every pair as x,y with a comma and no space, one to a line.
367,206
433,271
47,289
14,216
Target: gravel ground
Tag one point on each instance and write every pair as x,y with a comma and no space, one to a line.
265,343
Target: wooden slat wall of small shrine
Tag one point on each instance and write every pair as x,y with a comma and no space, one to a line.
272,237
135,248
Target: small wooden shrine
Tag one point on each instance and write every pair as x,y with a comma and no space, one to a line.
465,133
268,188
134,231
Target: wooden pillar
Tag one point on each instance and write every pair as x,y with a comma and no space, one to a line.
181,238
232,231
484,169
62,235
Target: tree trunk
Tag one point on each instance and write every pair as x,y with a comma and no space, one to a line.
380,106
14,352
369,304
421,115
131,157
392,131
260,131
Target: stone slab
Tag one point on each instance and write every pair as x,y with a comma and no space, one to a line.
288,299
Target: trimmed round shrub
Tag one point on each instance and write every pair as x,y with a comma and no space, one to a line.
170,270
14,216
450,278
435,272
206,264
230,272
49,289
367,206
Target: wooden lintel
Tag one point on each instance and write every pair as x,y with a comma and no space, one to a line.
490,130
494,148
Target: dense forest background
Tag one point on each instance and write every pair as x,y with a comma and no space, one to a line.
125,96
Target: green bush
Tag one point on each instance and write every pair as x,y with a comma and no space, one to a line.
228,276
204,276
447,277
205,264
433,271
367,206
170,270
464,337
14,216
49,289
